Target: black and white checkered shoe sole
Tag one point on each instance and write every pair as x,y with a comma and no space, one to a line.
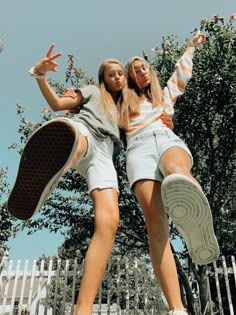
189,209
45,156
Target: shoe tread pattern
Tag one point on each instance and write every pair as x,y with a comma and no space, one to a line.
44,155
189,209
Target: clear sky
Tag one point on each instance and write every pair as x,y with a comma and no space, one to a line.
92,30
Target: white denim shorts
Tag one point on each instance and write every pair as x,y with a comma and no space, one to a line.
97,165
145,150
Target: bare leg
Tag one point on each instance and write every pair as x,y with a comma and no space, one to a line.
176,161
148,193
106,223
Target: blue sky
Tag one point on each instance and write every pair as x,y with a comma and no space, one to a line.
92,30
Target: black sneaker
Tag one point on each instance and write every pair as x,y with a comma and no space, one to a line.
45,156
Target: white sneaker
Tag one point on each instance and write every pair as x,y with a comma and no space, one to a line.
189,209
45,156
178,312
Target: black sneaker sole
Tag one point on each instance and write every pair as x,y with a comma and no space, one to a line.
44,158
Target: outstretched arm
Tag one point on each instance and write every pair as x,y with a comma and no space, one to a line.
183,72
39,71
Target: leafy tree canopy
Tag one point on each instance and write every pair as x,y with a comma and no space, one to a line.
7,228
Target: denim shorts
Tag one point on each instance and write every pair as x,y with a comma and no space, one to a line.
97,166
144,152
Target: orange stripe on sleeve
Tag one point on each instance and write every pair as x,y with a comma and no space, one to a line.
132,115
180,84
184,68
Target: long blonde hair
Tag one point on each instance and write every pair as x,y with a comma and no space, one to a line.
106,98
136,96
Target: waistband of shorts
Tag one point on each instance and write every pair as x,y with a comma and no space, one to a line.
151,130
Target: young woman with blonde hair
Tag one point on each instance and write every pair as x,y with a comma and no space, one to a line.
158,169
86,142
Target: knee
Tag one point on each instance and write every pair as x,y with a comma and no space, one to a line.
113,223
173,168
158,233
108,222
157,225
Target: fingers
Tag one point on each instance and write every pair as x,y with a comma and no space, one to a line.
52,65
49,52
198,39
54,56
52,68
203,37
47,63
200,35
69,92
44,65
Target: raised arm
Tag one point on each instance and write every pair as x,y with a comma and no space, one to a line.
183,72
39,71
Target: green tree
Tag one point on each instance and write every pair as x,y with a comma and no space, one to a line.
7,228
1,45
6,224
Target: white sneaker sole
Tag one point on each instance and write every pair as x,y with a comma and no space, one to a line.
189,209
45,156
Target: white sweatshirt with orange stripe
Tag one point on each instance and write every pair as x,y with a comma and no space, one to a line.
149,116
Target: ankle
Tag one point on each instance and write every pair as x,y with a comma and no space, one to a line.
178,311
82,309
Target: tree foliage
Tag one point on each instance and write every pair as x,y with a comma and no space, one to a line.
1,45
7,228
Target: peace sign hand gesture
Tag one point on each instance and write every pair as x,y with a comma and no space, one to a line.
47,63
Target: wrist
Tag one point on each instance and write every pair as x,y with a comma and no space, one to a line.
190,49
36,74
191,44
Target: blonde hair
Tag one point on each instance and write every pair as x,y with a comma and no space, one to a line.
106,98
136,95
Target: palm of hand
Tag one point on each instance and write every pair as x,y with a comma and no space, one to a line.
47,63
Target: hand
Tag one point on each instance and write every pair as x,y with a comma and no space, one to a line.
69,92
167,120
47,63
197,39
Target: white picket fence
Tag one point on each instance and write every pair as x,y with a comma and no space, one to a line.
50,288
225,271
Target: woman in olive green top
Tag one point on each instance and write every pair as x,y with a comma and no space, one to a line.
85,142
